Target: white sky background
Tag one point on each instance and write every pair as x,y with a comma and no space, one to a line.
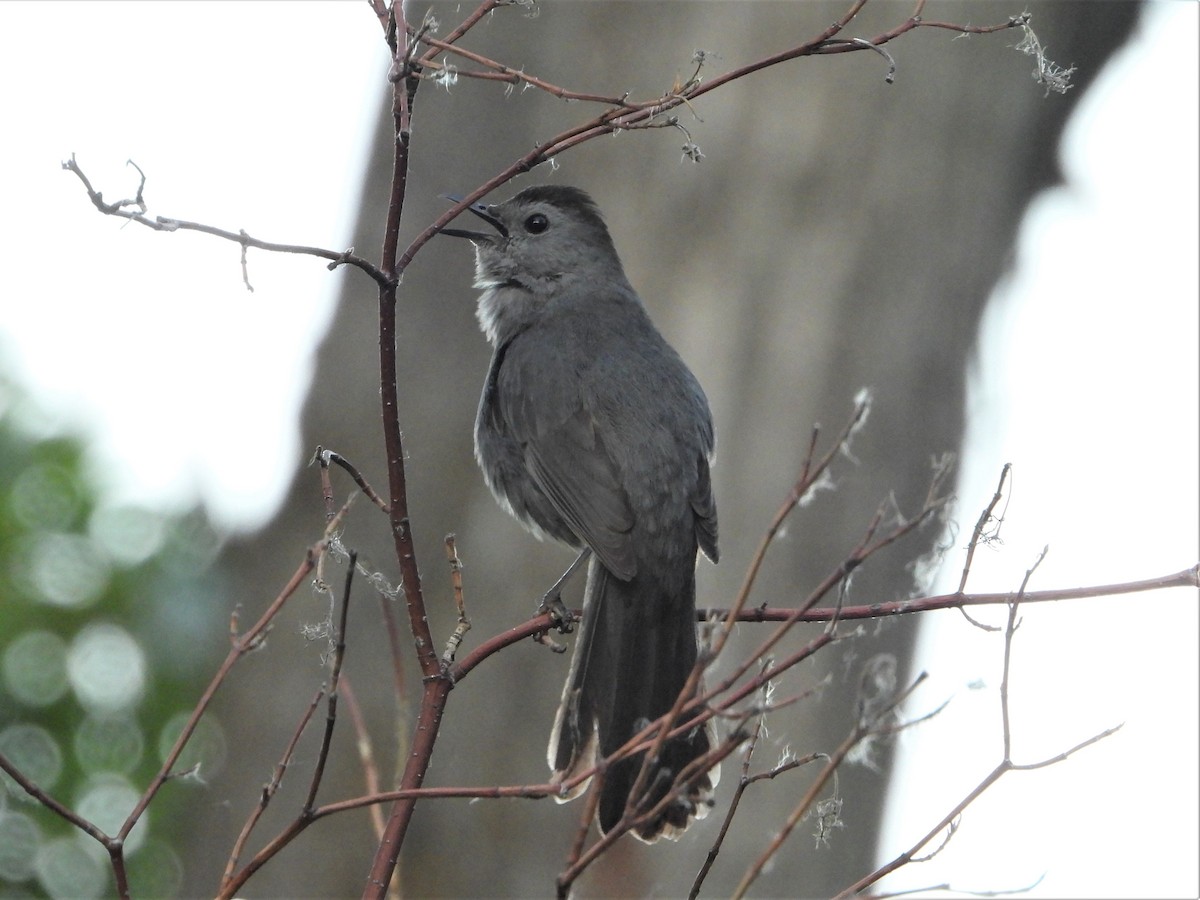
1089,382
227,107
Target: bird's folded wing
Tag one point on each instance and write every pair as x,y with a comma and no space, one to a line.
568,461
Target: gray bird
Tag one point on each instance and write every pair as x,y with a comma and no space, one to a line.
593,431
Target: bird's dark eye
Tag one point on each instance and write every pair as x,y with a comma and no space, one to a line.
537,223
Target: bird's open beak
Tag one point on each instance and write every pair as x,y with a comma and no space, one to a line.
484,212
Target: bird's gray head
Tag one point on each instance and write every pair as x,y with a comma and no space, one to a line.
549,239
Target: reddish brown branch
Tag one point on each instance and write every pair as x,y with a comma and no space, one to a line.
864,728
463,27
242,644
436,686
327,457
501,72
267,793
1184,578
811,473
731,811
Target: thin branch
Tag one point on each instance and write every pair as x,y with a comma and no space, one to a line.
985,517
590,804
464,26
464,624
366,752
863,728
945,886
885,609
743,783
242,644
232,882
268,791
1185,578
33,790
134,211
1009,631
1060,757
396,648
326,457
977,535
501,72
339,655
437,685
1004,766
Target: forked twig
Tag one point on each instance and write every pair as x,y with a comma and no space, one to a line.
1003,767
269,789
135,211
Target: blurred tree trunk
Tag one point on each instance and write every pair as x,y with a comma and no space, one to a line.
839,232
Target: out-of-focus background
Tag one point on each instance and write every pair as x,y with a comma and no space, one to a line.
839,232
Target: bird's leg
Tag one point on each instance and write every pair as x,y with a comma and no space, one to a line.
552,599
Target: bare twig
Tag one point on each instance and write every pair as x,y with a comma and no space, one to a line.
1003,767
242,644
501,72
47,800
464,624
1185,578
590,803
135,211
743,783
985,517
326,457
232,881
867,547
945,886
269,789
864,727
436,683
395,646
339,655
366,751
464,26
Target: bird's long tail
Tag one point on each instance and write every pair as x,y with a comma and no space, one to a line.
635,651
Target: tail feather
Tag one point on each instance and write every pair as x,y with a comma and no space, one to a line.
635,651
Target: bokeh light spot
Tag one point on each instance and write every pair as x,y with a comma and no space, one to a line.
204,753
66,869
33,750
156,870
106,801
19,842
34,668
60,569
45,497
109,743
129,535
107,668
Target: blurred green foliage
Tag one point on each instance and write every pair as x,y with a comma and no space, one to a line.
107,634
